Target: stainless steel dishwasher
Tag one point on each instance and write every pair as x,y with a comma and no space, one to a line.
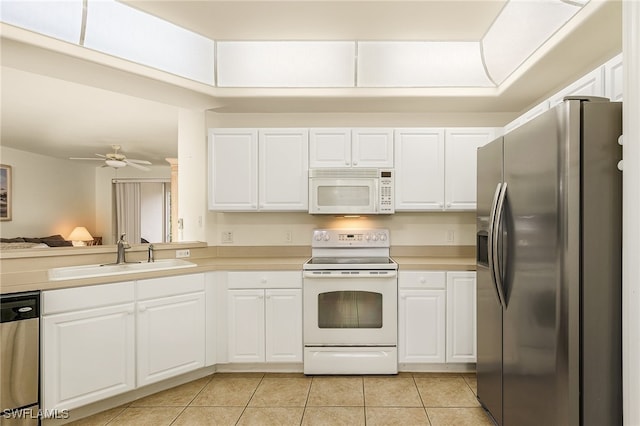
20,358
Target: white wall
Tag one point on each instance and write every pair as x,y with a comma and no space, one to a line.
50,196
152,211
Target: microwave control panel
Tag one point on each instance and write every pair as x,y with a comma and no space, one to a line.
386,203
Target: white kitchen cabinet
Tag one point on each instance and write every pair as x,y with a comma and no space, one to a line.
88,344
419,161
461,145
591,84
233,169
283,169
170,327
461,317
613,84
264,316
265,325
421,316
365,147
258,170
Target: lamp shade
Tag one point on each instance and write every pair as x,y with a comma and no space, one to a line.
79,235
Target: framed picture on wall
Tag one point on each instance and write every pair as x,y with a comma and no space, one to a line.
5,192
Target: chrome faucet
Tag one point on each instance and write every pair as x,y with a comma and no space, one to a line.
150,257
122,246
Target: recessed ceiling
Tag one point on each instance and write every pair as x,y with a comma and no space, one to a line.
67,104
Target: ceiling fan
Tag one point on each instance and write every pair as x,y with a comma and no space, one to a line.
117,160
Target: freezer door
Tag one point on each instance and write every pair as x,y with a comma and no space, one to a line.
542,161
489,310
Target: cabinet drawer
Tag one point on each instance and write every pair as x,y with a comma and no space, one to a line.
88,297
422,279
265,279
170,286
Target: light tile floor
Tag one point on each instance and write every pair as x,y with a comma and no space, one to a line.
294,399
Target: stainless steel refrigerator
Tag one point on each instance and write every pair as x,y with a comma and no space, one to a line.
549,243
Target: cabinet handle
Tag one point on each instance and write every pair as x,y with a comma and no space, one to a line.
131,311
355,163
268,297
263,280
448,204
142,308
260,297
423,280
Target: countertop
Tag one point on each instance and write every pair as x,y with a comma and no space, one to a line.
30,272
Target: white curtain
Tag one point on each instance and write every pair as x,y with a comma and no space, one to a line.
128,211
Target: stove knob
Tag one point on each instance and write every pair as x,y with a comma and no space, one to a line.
383,237
375,237
367,237
326,237
318,236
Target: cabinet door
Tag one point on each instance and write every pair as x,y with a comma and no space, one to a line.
591,84
87,355
372,148
246,325
613,83
283,325
461,147
422,326
233,169
283,166
461,317
329,148
171,337
419,181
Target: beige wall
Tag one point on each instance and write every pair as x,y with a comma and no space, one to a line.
50,196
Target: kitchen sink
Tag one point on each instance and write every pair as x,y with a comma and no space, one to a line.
93,271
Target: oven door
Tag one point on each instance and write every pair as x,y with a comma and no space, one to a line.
350,308
343,196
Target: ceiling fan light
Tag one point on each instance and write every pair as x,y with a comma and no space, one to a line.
116,164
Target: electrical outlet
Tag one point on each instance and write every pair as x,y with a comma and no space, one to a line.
227,237
183,253
451,236
288,237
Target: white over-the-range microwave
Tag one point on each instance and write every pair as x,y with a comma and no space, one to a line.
351,191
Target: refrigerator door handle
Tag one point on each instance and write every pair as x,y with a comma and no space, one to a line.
495,237
492,248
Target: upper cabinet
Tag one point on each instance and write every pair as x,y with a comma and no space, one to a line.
591,84
251,170
331,147
613,78
233,169
461,150
436,168
419,181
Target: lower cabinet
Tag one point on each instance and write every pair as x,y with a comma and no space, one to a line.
264,324
170,327
100,341
88,344
437,317
461,316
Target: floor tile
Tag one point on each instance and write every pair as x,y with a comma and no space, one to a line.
143,416
99,419
472,381
232,391
333,416
336,392
390,392
278,416
200,416
281,393
446,392
390,416
285,376
180,396
458,417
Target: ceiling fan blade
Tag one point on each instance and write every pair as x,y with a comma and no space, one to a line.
139,161
137,166
81,158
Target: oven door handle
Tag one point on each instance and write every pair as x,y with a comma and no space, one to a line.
349,274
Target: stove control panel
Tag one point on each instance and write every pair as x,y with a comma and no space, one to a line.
350,238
